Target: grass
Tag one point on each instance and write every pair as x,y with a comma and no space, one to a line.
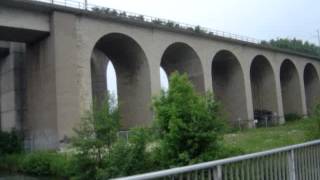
261,139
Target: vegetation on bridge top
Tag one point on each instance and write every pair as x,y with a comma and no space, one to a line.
296,45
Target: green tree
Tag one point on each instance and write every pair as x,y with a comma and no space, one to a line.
294,45
188,124
94,137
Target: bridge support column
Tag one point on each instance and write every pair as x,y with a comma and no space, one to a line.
12,87
52,85
279,95
249,104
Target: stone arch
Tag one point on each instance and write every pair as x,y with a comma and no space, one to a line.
228,85
290,88
263,85
133,77
184,59
312,87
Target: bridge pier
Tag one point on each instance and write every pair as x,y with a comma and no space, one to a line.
53,103
12,87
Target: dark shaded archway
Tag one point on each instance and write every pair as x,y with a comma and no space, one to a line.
182,58
263,85
133,77
312,87
290,88
228,85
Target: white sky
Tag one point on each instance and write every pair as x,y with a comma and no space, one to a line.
260,19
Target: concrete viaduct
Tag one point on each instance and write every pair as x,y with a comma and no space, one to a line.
53,62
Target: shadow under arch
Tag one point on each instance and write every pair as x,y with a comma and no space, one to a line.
183,58
312,87
228,85
290,88
133,77
263,85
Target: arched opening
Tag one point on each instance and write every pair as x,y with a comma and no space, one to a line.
290,88
132,76
182,58
312,87
263,86
228,85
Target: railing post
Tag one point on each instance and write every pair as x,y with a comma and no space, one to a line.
217,173
291,164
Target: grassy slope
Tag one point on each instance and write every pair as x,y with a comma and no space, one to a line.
254,140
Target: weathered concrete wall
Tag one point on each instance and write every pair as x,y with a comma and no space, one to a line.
99,63
12,87
52,88
22,25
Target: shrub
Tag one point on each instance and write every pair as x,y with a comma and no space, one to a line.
45,164
94,137
188,124
292,117
128,158
11,162
10,142
314,131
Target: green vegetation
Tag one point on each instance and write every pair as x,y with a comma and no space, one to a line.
37,164
292,117
294,45
188,129
260,139
94,138
10,142
189,125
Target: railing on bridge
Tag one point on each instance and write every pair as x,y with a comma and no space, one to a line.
82,4
297,162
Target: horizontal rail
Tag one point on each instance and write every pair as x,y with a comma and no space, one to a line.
149,19
219,163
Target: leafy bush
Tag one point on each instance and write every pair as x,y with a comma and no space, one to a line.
128,158
314,131
11,162
292,117
10,142
188,124
94,137
37,163
45,164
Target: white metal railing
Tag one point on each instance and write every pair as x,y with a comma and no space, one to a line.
297,162
83,5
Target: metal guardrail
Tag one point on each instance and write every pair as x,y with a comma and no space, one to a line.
297,162
149,19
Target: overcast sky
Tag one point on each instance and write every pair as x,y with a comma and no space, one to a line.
260,19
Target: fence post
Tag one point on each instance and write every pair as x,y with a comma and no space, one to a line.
291,164
217,173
